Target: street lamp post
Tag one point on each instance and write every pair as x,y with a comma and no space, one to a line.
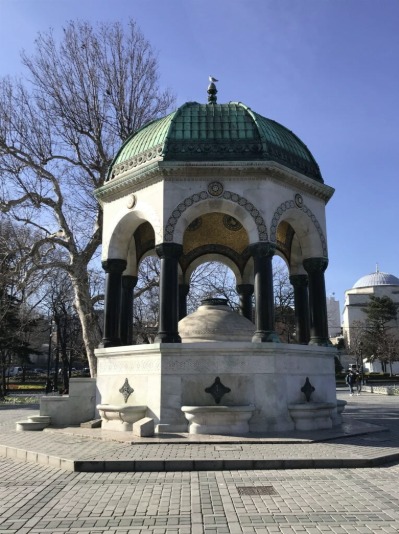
361,359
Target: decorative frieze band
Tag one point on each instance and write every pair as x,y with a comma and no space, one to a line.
215,192
296,204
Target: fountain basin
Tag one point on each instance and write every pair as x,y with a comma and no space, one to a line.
312,415
227,420
120,417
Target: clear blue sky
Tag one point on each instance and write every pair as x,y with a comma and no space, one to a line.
326,69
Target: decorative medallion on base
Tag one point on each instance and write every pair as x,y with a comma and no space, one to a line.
126,390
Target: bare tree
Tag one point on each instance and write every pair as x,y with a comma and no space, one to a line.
283,301
354,341
59,129
210,279
18,297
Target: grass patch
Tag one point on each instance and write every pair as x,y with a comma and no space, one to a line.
21,399
33,387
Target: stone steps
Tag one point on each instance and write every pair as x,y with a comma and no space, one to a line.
34,422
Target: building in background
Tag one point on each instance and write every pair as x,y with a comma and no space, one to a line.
376,284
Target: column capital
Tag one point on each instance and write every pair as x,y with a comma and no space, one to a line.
262,249
315,265
169,250
114,265
245,289
184,289
299,280
129,281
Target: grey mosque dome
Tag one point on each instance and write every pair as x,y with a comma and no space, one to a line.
377,279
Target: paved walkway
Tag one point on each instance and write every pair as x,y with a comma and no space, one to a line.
366,440
39,499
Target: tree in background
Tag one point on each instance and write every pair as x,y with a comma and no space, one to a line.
67,343
18,302
59,130
379,342
355,341
283,302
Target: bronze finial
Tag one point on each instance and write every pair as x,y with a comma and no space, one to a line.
212,91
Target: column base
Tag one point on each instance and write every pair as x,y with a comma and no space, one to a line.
106,343
167,337
265,336
320,341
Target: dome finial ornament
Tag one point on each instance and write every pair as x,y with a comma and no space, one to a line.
377,269
212,91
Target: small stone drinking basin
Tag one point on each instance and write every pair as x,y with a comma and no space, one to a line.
120,417
312,415
223,420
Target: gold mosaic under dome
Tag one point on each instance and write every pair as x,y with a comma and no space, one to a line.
145,239
215,229
285,235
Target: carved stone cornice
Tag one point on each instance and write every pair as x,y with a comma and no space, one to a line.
156,170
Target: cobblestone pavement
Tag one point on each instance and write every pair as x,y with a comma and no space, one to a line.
36,499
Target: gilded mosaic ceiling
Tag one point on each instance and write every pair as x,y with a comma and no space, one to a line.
285,235
215,229
144,238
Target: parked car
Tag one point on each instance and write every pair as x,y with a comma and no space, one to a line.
14,371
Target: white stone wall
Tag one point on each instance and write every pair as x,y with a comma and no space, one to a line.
167,377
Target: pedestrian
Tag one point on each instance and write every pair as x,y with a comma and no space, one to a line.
49,386
358,381
351,381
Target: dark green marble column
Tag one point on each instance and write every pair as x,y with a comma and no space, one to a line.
262,254
128,285
245,292
184,290
168,293
301,300
112,302
315,268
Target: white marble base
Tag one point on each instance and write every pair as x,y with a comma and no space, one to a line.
166,377
222,420
120,417
312,415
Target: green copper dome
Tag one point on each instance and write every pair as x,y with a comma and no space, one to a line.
215,132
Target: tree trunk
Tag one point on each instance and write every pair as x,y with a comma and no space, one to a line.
90,326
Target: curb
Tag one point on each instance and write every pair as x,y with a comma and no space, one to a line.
100,466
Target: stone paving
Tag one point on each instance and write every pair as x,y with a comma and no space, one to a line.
38,499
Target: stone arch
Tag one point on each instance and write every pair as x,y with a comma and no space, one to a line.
248,211
119,237
301,208
213,257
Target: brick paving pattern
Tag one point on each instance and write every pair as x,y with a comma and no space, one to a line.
38,499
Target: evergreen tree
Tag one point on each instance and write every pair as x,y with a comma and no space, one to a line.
378,338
